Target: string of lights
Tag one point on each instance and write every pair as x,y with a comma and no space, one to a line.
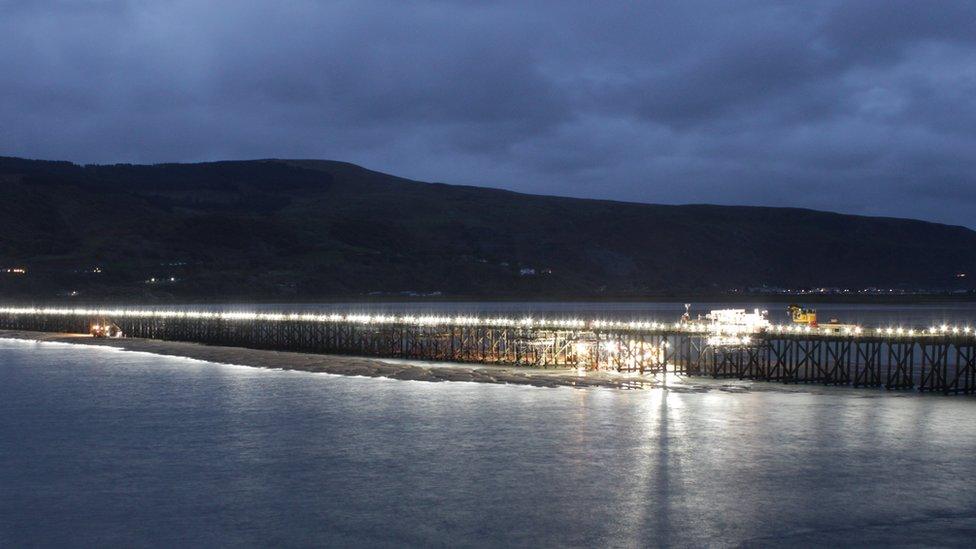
715,329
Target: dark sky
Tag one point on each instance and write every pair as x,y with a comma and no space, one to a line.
863,107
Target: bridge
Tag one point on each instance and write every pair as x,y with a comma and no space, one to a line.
930,359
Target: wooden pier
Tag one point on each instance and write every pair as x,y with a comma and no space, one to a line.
939,359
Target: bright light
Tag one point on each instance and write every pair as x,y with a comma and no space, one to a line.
726,327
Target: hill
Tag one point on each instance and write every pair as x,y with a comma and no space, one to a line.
304,229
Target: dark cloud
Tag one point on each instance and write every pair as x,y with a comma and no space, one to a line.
856,106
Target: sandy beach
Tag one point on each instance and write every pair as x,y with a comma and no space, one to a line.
358,366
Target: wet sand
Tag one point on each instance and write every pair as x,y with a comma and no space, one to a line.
435,371
367,367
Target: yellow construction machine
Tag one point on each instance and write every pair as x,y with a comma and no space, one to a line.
801,315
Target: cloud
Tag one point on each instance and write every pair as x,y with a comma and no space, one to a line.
862,107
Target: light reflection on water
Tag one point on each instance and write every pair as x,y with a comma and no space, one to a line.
113,448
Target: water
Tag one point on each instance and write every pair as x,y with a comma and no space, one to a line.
109,448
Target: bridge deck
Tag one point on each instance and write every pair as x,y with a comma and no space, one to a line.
939,359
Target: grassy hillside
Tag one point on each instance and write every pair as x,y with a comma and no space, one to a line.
276,229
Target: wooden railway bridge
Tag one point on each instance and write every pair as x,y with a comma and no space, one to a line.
937,359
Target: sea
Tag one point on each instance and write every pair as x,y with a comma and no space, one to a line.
101,447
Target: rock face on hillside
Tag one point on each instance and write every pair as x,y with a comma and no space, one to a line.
316,229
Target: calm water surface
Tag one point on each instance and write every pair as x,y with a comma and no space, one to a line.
108,448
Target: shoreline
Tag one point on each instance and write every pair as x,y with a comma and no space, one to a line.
403,370
418,370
